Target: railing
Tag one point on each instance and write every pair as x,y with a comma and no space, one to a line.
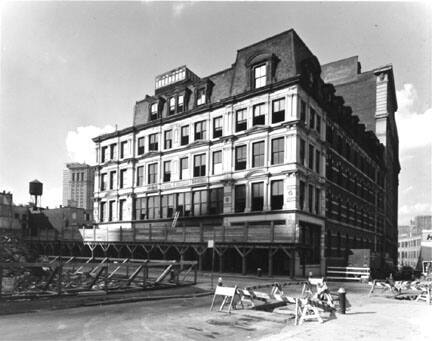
347,273
149,232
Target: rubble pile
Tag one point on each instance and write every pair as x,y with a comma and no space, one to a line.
13,250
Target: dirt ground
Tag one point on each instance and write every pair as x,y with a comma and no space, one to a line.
369,318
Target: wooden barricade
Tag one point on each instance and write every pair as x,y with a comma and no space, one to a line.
228,294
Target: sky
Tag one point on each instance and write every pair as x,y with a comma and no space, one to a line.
73,70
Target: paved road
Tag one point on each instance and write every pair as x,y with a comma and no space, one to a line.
179,319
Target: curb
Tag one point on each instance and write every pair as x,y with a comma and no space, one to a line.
148,298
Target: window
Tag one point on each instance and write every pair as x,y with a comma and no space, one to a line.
260,76
276,195
302,195
153,111
153,207
258,114
113,151
312,118
104,154
199,165
311,156
102,211
258,196
310,235
183,168
172,106
258,154
200,130
199,203
73,176
122,203
318,124
111,210
152,173
184,135
302,111
240,198
122,177
167,171
180,103
140,145
217,127
123,146
310,201
241,120
103,182
278,112
112,179
240,158
140,208
216,200
184,204
302,152
201,98
317,161
167,206
217,162
153,142
140,176
277,150
168,139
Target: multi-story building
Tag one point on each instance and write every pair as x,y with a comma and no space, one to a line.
409,249
78,185
372,97
12,217
263,156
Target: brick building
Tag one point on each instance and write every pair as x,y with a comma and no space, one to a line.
263,157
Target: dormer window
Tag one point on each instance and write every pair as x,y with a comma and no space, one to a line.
201,96
153,111
180,103
260,75
172,106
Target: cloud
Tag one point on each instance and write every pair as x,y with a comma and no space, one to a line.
413,128
178,7
52,197
80,146
416,209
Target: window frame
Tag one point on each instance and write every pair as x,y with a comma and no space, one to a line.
257,202
217,130
153,145
141,145
167,171
219,154
258,158
278,116
152,173
168,142
199,170
276,200
259,81
277,156
239,123
240,163
201,134
184,139
258,119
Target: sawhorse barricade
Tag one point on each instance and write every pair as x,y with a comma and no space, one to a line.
228,294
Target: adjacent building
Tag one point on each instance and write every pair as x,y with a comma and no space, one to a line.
265,158
78,186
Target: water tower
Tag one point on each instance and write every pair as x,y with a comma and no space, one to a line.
35,188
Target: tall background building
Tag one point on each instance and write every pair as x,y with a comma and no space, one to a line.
78,186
